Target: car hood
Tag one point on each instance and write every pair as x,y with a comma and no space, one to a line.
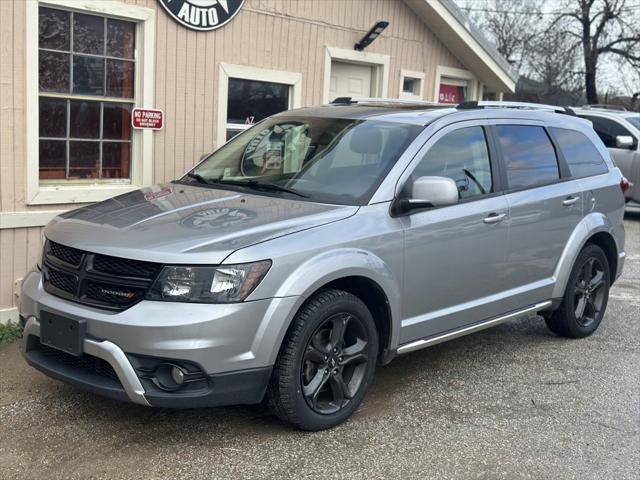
177,223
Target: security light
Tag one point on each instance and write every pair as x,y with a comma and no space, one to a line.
371,35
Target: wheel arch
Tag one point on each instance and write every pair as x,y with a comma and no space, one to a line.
358,272
594,228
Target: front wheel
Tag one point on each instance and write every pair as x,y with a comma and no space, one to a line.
326,363
586,296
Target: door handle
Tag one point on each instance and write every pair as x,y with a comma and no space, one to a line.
569,201
495,217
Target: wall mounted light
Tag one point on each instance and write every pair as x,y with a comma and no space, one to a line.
371,35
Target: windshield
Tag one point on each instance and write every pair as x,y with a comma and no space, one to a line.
635,121
328,160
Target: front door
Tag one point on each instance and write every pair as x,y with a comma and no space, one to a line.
350,80
454,271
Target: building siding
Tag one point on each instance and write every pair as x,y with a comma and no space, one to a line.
288,35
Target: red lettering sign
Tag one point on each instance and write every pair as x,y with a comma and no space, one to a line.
147,118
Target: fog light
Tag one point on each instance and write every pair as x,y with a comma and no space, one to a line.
177,375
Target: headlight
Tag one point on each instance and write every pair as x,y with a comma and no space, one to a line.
223,284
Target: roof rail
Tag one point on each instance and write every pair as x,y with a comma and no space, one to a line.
386,101
604,106
518,105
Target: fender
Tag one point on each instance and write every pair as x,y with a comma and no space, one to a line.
594,222
332,265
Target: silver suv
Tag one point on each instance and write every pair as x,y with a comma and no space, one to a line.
620,133
324,241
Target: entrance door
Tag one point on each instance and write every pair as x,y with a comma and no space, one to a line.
349,80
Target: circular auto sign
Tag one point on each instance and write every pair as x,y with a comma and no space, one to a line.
202,14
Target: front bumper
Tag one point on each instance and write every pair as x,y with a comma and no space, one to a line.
234,346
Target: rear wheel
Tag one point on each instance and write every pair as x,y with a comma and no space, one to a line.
586,296
326,363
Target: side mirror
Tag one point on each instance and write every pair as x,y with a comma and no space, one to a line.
427,192
624,141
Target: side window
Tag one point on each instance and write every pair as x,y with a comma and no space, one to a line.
608,130
463,156
529,156
583,158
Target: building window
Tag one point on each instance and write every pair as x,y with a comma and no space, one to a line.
250,101
411,84
455,85
86,72
453,91
247,95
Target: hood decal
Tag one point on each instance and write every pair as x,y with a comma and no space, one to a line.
218,217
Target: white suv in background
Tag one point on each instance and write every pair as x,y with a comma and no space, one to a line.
619,130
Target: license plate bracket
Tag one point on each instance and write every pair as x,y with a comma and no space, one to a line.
62,333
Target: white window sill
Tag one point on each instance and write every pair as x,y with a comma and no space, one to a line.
78,194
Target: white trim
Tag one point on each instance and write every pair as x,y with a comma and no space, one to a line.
381,63
455,34
37,218
9,315
142,141
411,74
226,70
457,74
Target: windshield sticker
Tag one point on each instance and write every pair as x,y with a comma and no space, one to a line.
159,194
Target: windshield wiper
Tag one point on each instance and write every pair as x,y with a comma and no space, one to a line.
199,178
254,184
258,185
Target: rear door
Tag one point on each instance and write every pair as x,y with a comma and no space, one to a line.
545,206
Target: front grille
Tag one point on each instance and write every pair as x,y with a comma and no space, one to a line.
85,362
112,295
62,281
98,280
121,266
69,255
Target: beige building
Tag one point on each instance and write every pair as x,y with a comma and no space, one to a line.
72,70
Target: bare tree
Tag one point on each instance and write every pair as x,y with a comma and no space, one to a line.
511,24
602,27
553,61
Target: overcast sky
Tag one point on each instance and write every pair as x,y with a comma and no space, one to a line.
613,75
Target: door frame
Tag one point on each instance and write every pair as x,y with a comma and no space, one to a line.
378,62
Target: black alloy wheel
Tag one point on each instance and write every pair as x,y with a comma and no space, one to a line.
334,363
326,362
585,298
589,292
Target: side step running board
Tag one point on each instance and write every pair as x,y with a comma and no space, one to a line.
427,342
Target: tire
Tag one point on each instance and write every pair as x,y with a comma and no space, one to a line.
316,363
586,296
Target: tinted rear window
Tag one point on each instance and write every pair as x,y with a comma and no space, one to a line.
580,154
528,154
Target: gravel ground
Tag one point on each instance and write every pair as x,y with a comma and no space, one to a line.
511,402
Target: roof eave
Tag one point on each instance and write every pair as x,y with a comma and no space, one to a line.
466,42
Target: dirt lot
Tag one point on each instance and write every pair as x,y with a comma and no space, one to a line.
511,402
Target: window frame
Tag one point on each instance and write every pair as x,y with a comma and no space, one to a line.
564,174
243,72
141,140
419,76
497,177
457,74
